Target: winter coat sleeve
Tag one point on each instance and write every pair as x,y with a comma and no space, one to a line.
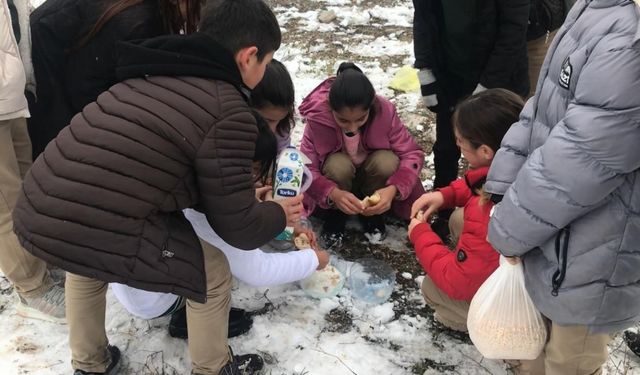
512,154
586,157
256,267
321,186
411,158
436,258
458,192
223,167
513,17
424,34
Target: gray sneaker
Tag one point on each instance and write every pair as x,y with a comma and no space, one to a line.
49,306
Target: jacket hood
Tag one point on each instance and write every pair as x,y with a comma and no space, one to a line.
316,104
195,55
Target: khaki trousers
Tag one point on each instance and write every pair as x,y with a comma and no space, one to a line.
571,350
451,313
367,178
28,274
537,50
456,223
207,322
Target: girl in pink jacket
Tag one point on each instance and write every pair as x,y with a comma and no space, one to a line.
358,147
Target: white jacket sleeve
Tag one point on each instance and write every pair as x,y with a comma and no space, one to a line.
256,267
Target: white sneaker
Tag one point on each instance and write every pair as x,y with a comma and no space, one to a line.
49,307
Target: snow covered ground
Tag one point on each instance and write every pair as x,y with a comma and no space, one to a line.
300,335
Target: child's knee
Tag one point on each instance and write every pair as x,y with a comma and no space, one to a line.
382,163
339,168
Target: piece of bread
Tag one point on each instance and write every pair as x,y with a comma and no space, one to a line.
302,241
371,200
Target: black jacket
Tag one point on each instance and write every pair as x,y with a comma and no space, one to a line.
67,77
466,42
105,198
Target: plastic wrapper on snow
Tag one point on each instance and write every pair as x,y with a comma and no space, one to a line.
371,280
324,283
405,80
503,322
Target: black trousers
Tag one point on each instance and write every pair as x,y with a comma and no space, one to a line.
445,151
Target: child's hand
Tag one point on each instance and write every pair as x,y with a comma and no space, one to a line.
386,198
412,225
346,202
313,240
263,193
323,258
292,207
429,202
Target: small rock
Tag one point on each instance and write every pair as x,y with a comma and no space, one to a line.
419,128
327,16
407,275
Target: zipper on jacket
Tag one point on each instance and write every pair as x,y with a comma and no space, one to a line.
561,255
166,253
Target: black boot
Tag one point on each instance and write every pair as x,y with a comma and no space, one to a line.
374,227
633,341
239,322
245,364
333,229
113,367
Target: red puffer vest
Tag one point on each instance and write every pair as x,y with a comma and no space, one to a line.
460,273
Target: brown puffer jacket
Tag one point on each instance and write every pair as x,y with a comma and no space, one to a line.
105,199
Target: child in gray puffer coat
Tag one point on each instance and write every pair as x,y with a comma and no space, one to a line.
568,174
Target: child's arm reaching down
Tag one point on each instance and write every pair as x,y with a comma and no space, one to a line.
256,267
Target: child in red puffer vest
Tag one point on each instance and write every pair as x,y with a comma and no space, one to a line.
453,277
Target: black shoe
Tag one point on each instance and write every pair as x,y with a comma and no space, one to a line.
113,367
239,322
333,229
633,341
374,227
246,364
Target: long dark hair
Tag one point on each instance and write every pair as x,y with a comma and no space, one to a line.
172,20
276,89
266,149
352,89
484,118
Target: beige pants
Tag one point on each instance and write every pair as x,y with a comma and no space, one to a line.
207,322
571,350
366,179
450,312
537,50
27,273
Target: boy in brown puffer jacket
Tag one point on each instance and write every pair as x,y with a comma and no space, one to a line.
105,199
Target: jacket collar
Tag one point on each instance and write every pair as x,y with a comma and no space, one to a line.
195,55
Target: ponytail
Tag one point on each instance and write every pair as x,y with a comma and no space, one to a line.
351,88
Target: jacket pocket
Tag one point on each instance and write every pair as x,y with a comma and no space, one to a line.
562,245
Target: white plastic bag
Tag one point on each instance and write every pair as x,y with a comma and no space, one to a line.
503,322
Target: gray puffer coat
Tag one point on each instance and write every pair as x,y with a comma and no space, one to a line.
569,172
